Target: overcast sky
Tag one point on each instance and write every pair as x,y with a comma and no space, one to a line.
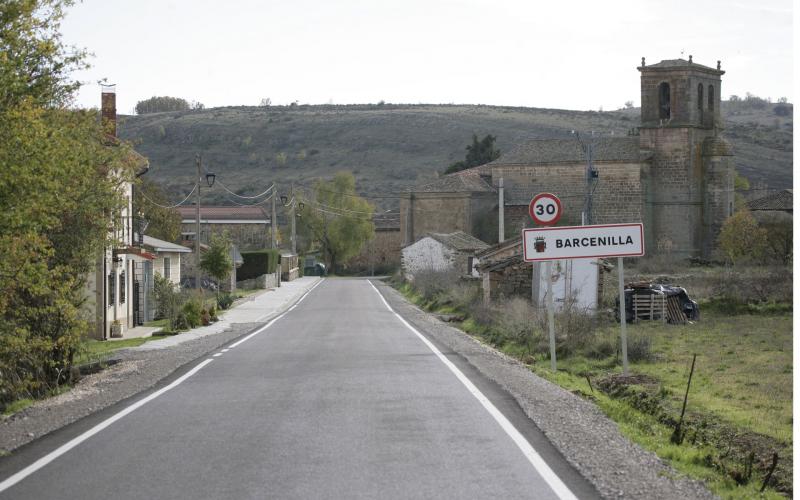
555,54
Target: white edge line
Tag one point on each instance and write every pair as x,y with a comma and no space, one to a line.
27,471
35,466
556,484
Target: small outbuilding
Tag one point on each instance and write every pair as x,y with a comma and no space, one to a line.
443,252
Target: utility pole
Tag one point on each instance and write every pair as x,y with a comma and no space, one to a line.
294,235
273,221
501,223
197,229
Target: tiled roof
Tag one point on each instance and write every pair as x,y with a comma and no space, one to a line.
164,246
498,247
499,265
780,201
225,213
459,240
459,182
546,151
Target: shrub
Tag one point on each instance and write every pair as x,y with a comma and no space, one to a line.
639,347
224,300
192,310
168,300
431,284
516,320
257,263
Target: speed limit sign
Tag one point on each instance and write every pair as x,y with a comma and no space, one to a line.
545,209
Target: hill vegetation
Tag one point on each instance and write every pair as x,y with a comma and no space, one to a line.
390,147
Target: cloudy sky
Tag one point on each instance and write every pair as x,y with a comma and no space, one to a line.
555,54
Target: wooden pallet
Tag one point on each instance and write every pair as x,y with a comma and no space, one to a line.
674,313
649,307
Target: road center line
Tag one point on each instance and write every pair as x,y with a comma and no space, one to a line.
559,488
35,466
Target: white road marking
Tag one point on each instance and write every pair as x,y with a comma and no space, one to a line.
276,318
559,488
27,471
225,350
35,466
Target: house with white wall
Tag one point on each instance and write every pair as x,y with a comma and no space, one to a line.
442,252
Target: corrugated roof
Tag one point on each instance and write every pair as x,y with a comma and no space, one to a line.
459,240
223,213
546,151
466,181
164,246
780,201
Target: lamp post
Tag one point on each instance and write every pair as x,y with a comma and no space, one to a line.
210,178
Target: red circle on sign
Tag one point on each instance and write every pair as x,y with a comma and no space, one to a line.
538,209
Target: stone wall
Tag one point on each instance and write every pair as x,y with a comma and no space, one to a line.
381,254
263,282
619,196
244,236
433,213
512,281
426,254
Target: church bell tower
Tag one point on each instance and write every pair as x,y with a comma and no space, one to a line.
690,193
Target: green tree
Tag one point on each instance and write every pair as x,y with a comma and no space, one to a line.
741,239
150,200
217,261
337,219
165,103
478,153
60,181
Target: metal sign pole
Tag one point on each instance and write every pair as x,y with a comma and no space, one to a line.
622,316
550,314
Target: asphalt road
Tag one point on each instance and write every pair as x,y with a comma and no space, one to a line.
338,398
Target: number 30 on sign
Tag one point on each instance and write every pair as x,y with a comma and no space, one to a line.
545,209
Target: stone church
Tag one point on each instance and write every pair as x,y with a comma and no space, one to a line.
674,174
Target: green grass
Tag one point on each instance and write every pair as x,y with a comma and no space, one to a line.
162,323
17,405
98,350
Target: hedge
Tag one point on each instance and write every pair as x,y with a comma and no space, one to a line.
257,263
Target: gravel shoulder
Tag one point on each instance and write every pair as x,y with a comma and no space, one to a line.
136,371
587,439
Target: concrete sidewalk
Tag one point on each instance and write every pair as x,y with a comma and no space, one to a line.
257,309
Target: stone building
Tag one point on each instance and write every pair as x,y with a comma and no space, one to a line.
442,252
381,254
248,227
674,173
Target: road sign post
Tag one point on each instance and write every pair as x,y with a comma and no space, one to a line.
584,242
545,210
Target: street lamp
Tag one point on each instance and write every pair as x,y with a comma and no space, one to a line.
210,178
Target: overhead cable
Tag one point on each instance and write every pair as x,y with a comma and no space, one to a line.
141,192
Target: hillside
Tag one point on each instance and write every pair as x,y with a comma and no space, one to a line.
391,147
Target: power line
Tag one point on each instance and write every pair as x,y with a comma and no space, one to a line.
141,192
246,197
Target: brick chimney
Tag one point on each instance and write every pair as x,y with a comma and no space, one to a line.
108,113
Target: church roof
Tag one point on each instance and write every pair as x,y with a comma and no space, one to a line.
668,64
466,181
546,151
780,201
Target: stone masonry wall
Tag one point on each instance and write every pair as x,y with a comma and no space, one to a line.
382,253
244,236
434,213
618,197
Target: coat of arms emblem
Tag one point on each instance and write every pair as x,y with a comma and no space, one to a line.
539,244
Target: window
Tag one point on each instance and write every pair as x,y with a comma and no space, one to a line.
166,267
700,96
711,98
112,289
663,101
122,287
